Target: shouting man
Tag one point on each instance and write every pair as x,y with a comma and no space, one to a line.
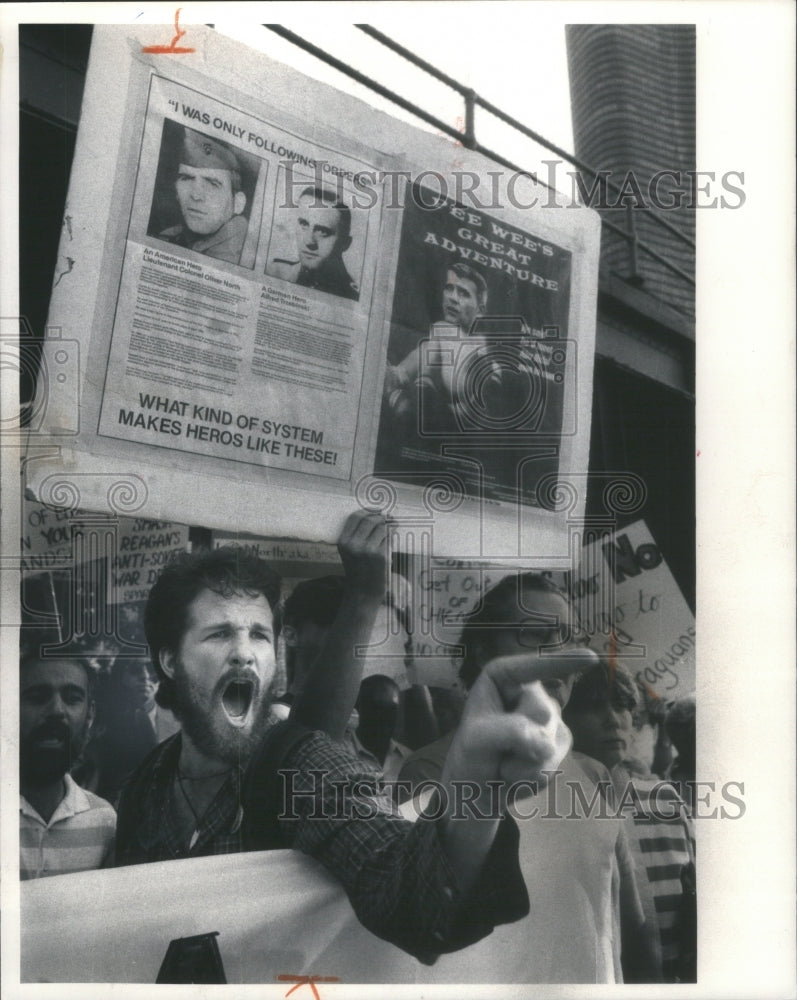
230,781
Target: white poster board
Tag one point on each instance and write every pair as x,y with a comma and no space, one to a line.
243,370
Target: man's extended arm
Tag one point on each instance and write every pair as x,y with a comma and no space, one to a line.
446,881
511,730
397,874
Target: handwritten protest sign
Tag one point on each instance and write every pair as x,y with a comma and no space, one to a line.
446,590
143,548
46,539
134,550
630,592
627,600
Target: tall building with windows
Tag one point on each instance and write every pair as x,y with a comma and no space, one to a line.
632,91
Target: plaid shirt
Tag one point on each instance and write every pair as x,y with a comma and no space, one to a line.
303,790
147,821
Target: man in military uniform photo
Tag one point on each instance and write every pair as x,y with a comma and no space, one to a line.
323,235
211,199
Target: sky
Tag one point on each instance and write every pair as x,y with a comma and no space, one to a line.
515,58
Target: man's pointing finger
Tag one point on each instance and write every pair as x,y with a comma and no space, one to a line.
510,673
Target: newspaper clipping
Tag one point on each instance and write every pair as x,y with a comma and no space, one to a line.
242,315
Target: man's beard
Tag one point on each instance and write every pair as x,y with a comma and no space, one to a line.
40,765
200,723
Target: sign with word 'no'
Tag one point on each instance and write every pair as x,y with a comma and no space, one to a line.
632,608
627,602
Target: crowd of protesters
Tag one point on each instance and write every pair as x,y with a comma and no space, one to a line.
581,869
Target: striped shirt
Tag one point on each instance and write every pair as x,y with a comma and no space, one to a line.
79,836
662,842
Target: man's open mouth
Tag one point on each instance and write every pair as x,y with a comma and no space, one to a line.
51,737
50,742
237,699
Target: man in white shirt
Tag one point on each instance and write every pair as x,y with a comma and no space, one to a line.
63,827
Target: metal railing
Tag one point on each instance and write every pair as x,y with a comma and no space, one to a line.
472,101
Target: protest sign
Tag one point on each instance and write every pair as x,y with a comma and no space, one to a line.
198,333
46,540
243,347
627,603
481,376
142,549
133,549
631,607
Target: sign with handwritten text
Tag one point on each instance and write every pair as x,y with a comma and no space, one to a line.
46,538
627,601
143,548
630,604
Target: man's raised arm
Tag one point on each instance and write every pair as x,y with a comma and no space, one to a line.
327,699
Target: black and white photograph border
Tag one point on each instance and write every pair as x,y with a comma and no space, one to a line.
745,421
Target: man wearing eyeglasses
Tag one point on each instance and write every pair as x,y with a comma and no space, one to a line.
522,613
586,923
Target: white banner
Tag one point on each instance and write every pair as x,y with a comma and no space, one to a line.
277,914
